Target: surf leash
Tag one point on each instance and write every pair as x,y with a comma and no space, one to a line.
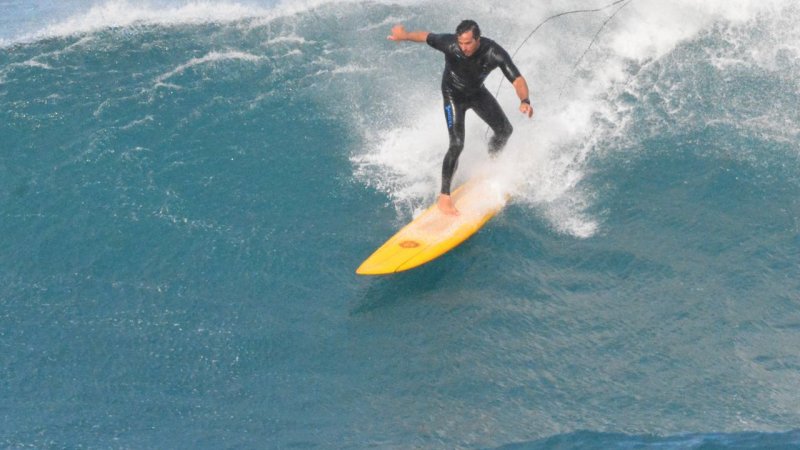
623,3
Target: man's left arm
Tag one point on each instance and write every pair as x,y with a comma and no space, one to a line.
515,77
521,86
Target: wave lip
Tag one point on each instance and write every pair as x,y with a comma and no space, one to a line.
123,13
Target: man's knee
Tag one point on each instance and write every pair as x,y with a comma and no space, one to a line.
500,138
456,146
505,130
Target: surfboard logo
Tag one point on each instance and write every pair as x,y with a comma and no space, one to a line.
409,244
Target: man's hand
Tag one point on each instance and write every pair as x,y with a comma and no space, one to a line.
526,108
398,33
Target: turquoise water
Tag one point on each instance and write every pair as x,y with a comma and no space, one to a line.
186,189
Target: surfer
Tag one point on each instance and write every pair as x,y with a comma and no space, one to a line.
469,59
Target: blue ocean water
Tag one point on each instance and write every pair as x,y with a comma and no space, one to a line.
187,187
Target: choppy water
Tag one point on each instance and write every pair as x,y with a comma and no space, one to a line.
186,189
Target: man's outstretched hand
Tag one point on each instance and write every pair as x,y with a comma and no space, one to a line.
398,33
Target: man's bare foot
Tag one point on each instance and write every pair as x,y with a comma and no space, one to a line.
446,205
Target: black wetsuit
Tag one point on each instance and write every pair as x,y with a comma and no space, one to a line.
463,89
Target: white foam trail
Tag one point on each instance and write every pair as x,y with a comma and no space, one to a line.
348,69
386,23
209,58
290,39
34,63
293,52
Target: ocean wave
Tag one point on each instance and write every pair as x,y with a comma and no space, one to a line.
644,279
591,96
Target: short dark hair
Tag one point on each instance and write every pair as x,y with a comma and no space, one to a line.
468,25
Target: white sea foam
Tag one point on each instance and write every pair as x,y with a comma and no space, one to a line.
29,63
135,123
386,23
293,52
290,39
348,69
401,160
37,64
211,57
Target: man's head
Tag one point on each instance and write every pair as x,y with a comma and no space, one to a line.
468,34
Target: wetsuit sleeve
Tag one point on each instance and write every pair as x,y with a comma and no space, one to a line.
506,65
438,41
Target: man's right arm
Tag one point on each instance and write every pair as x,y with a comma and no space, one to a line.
399,33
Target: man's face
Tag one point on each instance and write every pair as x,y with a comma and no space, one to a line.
468,44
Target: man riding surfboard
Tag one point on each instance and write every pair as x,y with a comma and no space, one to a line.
469,58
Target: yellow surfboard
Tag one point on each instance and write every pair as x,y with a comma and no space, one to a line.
434,233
